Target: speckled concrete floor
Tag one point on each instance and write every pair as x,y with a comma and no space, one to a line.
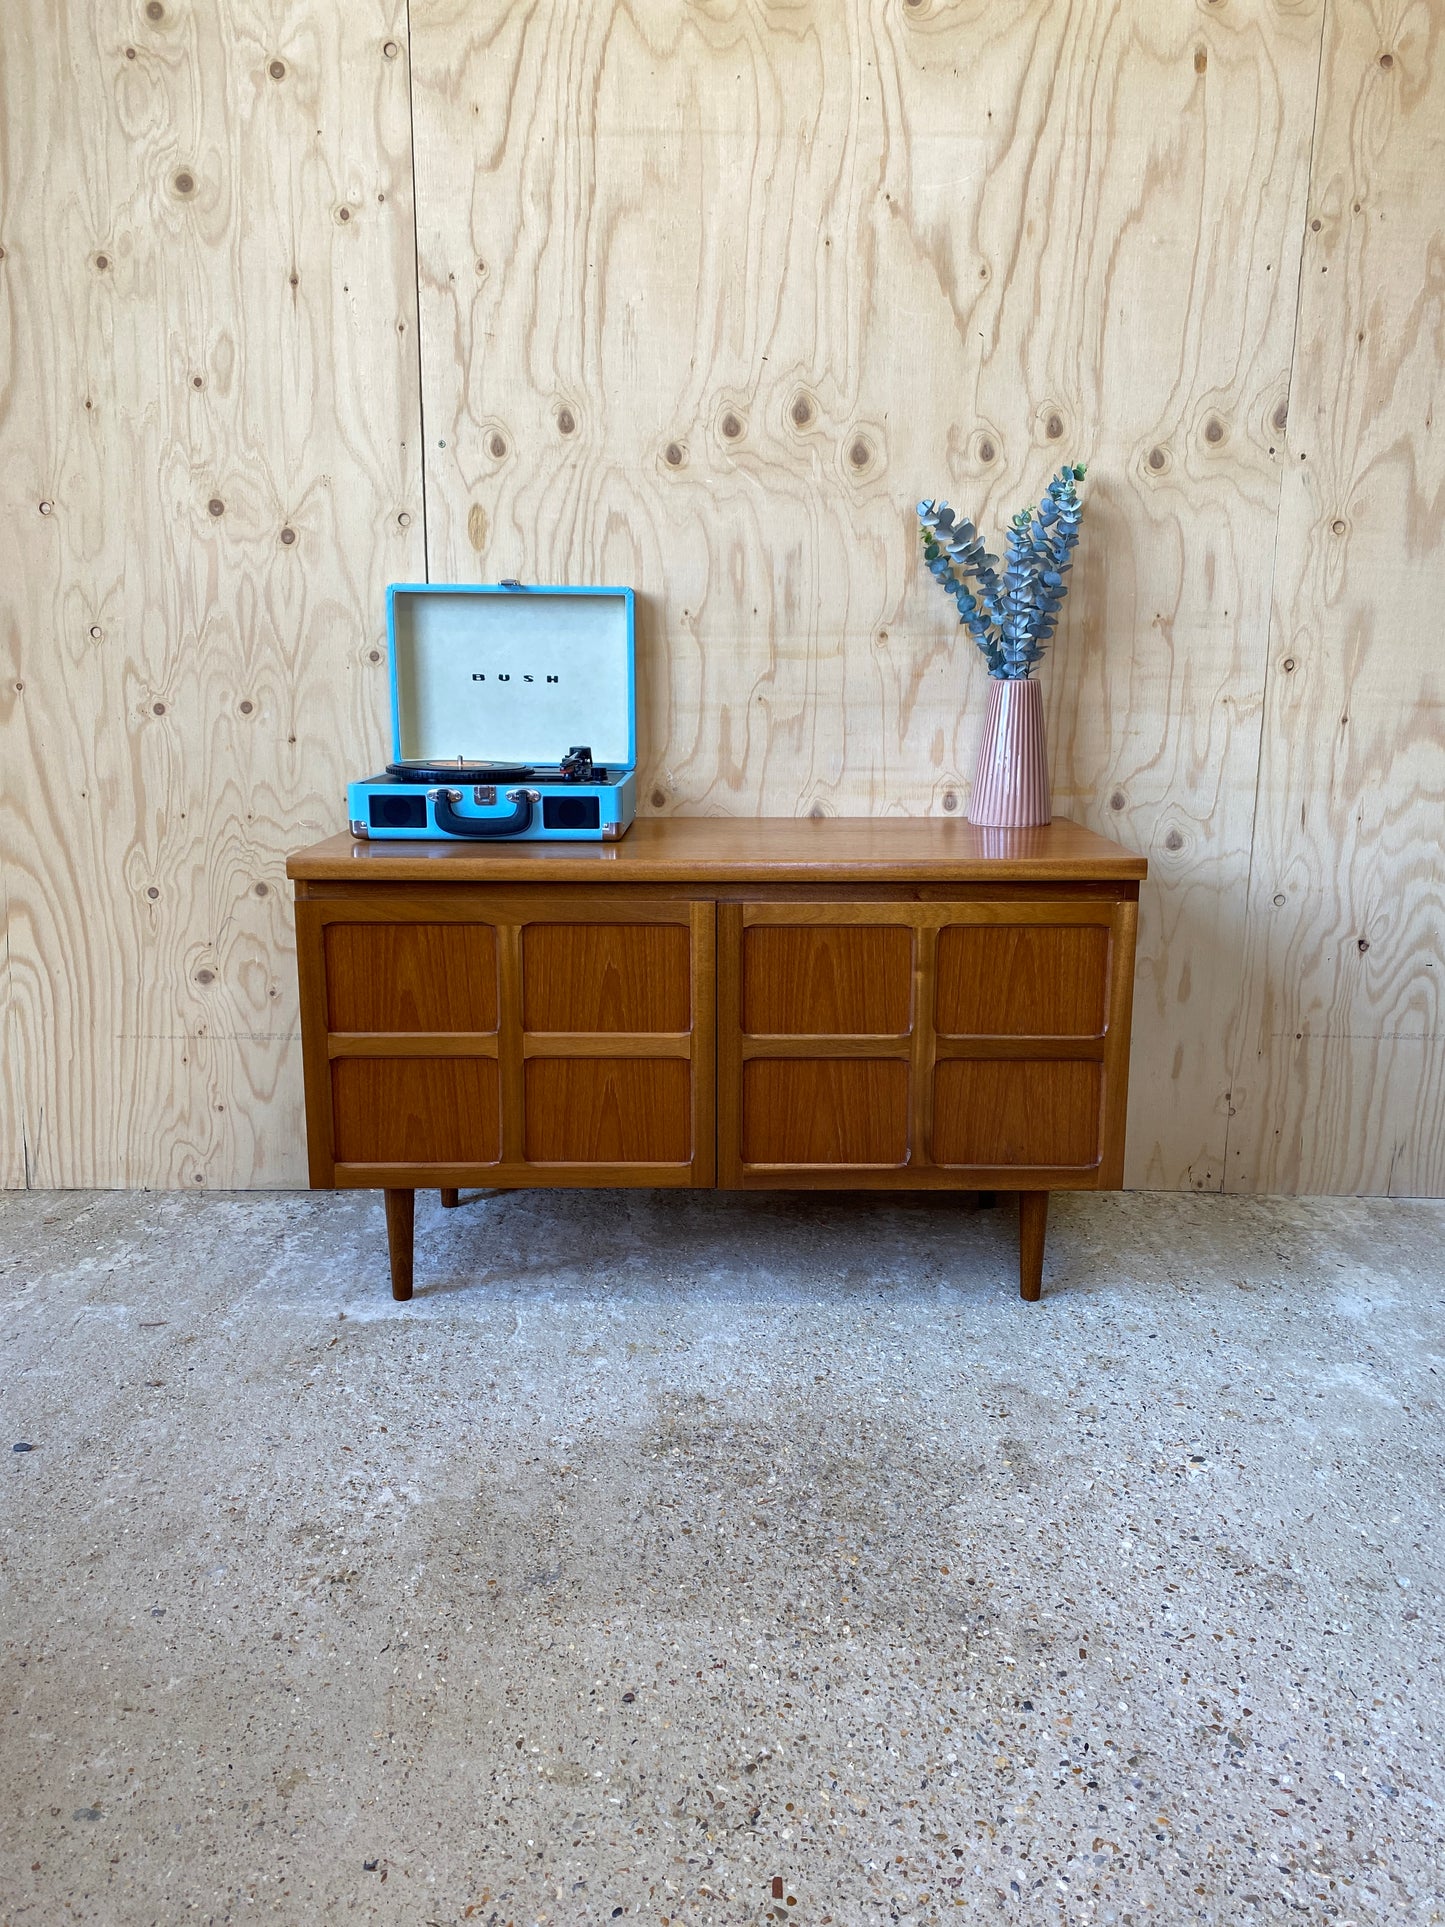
705,1559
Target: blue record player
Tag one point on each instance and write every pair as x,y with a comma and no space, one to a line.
513,714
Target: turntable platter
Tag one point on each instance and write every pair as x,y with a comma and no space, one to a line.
454,770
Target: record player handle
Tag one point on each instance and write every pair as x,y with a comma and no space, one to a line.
451,824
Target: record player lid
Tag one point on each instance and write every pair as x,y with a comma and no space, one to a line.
490,674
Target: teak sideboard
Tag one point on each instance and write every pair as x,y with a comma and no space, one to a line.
844,1004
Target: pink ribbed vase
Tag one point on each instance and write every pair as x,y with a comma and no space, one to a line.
1011,784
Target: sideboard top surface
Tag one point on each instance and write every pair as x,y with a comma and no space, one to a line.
730,849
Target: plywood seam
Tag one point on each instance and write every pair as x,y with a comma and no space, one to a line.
1241,1004
416,273
12,1029
206,1036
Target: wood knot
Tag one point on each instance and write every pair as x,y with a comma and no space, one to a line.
373,655
343,214
185,183
497,447
391,50
802,411
1288,665
196,382
986,450
1280,900
154,10
1054,427
1174,841
403,521
477,526
481,267
1201,59
657,799
205,976
102,261
1214,429
1387,61
158,709
1363,945
152,892
950,800
1279,420
96,632
295,279
216,506
1118,800
1339,525
672,455
731,426
288,536
1316,224
1156,459
277,70
263,890
817,813
566,421
47,508
247,706
860,454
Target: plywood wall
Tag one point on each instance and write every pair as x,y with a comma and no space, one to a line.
209,469
1340,1079
707,297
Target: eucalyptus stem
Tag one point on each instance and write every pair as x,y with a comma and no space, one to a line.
1011,615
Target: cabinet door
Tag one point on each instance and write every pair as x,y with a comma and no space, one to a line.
510,1036
903,1044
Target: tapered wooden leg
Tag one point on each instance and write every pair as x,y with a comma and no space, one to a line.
450,1200
1033,1223
400,1222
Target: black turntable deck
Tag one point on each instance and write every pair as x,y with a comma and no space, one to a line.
456,769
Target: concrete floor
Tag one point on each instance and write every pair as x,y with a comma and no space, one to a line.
705,1559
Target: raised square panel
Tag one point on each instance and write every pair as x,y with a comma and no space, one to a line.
416,1110
829,980
1022,980
840,1110
1018,1112
411,976
606,977
609,1110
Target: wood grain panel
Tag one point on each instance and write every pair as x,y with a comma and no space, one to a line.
606,977
998,980
628,1110
411,976
710,296
846,980
841,1111
1016,1113
390,1110
209,469
1339,1080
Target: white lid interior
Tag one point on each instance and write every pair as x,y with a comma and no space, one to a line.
471,672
